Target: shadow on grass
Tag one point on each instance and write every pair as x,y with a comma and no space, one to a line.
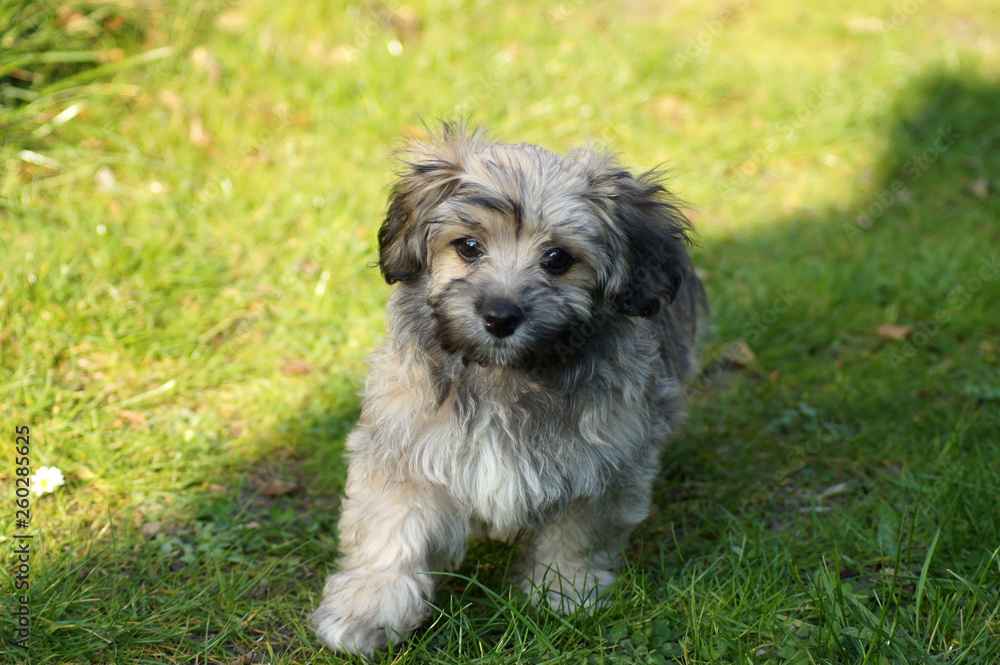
920,251
863,437
836,438
843,434
837,427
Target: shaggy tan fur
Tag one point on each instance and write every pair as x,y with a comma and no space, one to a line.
536,349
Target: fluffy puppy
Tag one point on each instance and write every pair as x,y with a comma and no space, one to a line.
536,347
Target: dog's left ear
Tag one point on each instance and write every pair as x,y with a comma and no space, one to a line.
647,230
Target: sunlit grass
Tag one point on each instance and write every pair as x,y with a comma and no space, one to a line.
187,302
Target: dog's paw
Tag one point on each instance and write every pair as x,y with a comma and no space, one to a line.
576,589
361,613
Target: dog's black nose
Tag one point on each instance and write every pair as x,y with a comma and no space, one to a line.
502,318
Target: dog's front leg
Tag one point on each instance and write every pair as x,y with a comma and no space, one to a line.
391,534
572,561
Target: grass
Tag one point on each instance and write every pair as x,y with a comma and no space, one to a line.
187,303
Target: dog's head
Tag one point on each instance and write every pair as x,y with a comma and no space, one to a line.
516,248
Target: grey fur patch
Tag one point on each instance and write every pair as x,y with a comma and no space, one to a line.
554,427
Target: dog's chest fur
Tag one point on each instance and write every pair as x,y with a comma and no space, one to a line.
511,449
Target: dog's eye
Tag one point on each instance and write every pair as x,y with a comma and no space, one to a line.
557,261
468,249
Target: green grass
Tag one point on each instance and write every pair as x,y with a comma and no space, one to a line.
186,305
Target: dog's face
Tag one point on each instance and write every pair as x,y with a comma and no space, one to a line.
516,248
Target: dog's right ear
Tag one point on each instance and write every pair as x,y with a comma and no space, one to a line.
432,172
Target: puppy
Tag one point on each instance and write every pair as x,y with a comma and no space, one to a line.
537,343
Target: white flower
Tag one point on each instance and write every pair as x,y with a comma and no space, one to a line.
46,480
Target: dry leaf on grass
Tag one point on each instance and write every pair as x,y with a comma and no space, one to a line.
892,331
277,487
135,419
739,353
246,659
297,367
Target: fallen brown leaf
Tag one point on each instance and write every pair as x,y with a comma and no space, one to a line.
298,366
892,331
246,659
277,487
134,418
739,353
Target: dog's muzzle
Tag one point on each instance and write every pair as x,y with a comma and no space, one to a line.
501,318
